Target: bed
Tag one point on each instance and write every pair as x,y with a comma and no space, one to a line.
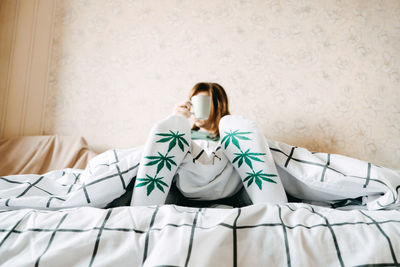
80,216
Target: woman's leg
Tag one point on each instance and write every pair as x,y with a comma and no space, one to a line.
246,148
164,151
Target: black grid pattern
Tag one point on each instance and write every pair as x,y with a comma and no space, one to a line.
89,192
282,223
116,169
305,158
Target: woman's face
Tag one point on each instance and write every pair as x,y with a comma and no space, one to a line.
201,123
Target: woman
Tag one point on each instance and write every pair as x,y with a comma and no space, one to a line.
220,160
219,108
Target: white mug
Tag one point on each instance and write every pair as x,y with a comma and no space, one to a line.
200,106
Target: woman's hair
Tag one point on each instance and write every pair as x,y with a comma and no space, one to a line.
219,106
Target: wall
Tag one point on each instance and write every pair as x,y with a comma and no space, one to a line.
320,74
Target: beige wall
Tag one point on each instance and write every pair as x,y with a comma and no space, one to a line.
319,74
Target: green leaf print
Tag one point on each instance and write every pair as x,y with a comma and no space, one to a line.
160,160
173,138
247,157
258,177
234,136
151,182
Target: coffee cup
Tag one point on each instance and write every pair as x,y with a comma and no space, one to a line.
200,106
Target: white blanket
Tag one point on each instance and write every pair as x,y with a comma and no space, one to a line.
59,232
321,177
257,235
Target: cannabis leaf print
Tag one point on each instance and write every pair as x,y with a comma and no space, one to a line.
173,138
151,182
161,160
258,177
247,157
234,136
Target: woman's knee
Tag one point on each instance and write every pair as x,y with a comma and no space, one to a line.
172,122
228,121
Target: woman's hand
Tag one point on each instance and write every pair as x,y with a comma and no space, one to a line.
183,109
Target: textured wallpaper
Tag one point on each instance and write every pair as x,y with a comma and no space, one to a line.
324,75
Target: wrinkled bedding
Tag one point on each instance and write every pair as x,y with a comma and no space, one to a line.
57,218
315,177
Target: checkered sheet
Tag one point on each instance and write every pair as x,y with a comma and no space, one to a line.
105,178
315,177
291,234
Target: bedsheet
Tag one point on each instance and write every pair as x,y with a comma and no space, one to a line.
291,234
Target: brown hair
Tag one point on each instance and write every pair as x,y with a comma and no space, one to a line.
219,106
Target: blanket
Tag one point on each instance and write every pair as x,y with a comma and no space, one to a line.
258,235
325,178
